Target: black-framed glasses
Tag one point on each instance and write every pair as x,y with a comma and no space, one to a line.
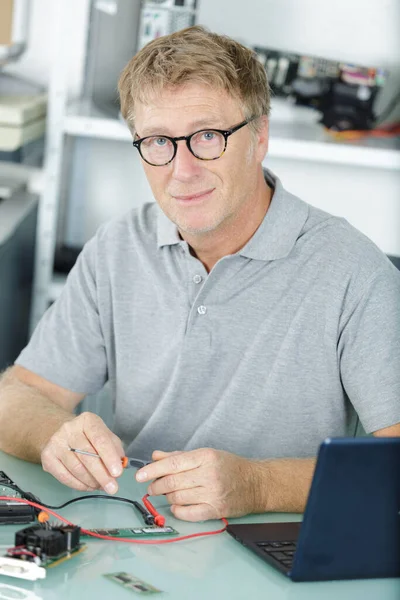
205,144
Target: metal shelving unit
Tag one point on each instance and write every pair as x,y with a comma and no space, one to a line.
289,139
48,207
85,119
295,140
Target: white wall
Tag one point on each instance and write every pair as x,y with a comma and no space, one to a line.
348,30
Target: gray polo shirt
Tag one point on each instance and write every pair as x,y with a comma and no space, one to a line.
264,356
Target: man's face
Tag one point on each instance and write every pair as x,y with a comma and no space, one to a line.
201,196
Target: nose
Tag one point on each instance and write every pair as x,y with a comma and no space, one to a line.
185,166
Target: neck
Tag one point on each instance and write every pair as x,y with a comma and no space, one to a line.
234,234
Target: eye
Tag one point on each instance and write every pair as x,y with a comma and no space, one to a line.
208,136
160,141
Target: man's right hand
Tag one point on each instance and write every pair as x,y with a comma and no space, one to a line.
81,472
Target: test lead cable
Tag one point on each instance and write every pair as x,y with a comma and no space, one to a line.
117,539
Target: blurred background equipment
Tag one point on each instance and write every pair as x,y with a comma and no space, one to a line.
14,17
345,94
18,216
22,103
160,17
22,126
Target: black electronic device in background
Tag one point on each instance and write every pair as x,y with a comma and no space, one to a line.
18,217
345,94
13,512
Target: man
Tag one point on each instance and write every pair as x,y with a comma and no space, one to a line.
237,325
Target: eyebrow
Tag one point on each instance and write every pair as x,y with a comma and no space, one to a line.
196,126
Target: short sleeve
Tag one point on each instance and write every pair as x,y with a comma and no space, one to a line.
369,351
67,347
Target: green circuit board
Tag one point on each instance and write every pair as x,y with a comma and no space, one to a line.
134,532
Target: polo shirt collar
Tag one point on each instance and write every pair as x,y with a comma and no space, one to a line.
276,235
281,226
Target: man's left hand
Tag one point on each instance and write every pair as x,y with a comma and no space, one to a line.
204,484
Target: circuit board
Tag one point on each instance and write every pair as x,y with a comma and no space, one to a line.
5,481
56,560
134,532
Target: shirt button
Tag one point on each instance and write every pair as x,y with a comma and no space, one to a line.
202,310
197,279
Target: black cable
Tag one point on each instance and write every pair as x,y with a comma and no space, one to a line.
148,518
388,110
89,497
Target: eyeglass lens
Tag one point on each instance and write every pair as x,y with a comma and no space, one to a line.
207,144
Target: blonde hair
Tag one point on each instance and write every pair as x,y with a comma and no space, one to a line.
195,55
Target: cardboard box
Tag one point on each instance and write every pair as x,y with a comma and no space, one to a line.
6,22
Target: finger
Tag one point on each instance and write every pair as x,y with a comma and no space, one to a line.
158,454
80,465
89,470
173,483
193,513
187,497
118,445
95,467
57,453
60,472
100,437
174,463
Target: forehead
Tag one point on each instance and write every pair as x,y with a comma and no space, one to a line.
186,107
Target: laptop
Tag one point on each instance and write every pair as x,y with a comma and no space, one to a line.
351,525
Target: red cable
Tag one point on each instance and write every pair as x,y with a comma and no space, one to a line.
159,520
116,539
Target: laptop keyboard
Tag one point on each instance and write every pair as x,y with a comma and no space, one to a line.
283,552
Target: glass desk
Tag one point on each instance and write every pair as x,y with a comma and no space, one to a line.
215,567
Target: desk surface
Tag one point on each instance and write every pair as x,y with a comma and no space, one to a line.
208,568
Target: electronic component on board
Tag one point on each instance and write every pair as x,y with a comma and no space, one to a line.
49,543
40,547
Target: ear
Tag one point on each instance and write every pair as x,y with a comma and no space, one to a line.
262,138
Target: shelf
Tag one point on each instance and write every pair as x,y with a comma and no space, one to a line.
33,176
309,141
87,120
292,138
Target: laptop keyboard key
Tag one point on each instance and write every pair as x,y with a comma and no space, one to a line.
278,555
276,544
287,563
264,544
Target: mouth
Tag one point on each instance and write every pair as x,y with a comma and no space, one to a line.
194,198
